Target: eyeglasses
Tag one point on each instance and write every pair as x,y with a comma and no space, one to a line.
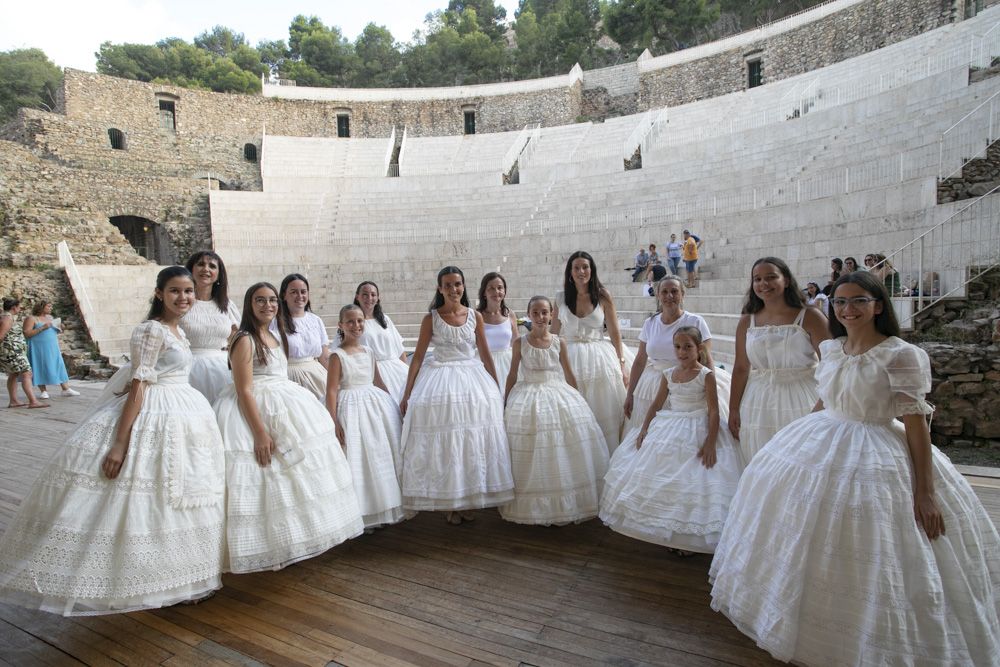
856,301
265,301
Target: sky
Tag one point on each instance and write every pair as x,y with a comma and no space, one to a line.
70,31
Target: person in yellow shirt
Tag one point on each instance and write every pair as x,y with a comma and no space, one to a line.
689,253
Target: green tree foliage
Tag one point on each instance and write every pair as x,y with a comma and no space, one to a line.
378,58
27,79
454,51
659,25
554,35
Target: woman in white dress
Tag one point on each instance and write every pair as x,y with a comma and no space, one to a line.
209,323
368,422
383,339
675,489
308,342
557,449
777,346
455,453
129,514
583,309
852,540
499,321
656,353
289,494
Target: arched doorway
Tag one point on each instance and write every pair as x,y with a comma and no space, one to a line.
148,238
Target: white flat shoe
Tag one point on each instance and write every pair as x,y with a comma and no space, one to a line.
44,395
69,392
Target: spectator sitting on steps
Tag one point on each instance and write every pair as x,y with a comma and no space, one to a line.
641,264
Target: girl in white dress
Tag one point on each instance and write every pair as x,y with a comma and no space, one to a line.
308,342
289,490
557,449
455,453
777,346
129,514
209,323
383,339
676,488
656,353
499,321
583,309
367,420
851,539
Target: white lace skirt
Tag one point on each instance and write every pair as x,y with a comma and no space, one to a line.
822,563
599,378
310,374
558,455
304,502
210,373
649,384
455,453
661,493
393,373
771,401
372,425
82,544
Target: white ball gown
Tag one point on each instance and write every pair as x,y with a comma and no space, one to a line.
557,449
662,493
304,502
208,329
821,561
387,344
498,339
782,384
372,426
455,453
596,367
82,544
660,356
304,348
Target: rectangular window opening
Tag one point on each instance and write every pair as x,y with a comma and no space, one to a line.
167,115
470,122
755,73
343,126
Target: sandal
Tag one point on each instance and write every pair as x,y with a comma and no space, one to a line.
453,518
17,405
38,405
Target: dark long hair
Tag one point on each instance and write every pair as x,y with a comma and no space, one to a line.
377,310
249,324
439,298
695,335
885,322
220,290
793,295
10,302
287,321
594,287
162,278
487,279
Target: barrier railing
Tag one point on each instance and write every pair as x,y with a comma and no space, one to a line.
514,151
969,138
638,134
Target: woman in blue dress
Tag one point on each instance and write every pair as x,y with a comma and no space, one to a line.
46,360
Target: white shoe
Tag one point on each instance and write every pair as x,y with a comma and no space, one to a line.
70,392
44,395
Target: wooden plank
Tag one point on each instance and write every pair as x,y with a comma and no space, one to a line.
62,633
23,649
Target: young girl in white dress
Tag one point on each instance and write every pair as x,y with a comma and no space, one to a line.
129,514
851,539
383,339
499,321
367,420
583,309
289,489
557,449
308,342
209,323
676,488
455,453
777,346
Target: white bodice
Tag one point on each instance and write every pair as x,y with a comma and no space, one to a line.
384,343
686,396
540,364
207,328
357,370
887,381
277,364
309,338
659,337
581,329
498,336
777,351
158,356
453,343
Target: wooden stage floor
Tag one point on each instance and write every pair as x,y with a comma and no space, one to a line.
420,593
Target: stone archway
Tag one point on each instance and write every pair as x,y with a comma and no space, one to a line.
149,238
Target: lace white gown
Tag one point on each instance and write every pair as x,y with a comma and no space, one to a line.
821,561
82,544
557,449
659,340
304,348
372,426
387,344
207,329
661,493
596,368
782,384
455,453
304,502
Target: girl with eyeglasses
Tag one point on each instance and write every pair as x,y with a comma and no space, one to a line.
289,492
852,540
